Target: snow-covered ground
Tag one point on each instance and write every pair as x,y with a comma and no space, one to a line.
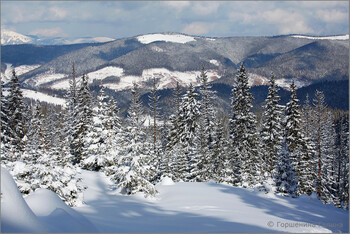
42,211
39,96
175,38
42,97
44,78
167,78
178,207
6,76
339,37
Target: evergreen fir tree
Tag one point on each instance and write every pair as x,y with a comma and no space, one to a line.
71,115
206,127
245,156
134,172
301,150
4,125
154,99
285,178
271,133
97,138
82,121
16,111
188,138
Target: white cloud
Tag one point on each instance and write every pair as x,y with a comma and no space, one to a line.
197,28
332,16
287,21
205,8
56,13
178,5
48,32
321,4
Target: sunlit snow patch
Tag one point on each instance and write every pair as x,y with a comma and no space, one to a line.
177,38
104,73
42,97
215,62
167,79
339,37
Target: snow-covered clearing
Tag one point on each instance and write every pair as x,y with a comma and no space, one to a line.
104,73
177,38
42,97
167,78
339,37
178,207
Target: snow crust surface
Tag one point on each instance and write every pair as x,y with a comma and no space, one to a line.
204,207
177,38
178,207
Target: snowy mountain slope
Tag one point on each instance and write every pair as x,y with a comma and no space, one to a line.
174,57
174,38
339,37
204,207
7,74
13,38
167,79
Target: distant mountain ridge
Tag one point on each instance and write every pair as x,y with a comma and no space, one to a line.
177,57
13,38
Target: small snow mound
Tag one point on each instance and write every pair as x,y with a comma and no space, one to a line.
16,216
177,38
45,203
167,181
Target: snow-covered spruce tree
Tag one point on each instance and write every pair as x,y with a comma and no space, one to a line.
16,111
58,146
272,128
82,121
36,137
188,139
206,127
342,160
70,115
174,164
222,170
328,177
245,155
98,155
306,116
324,139
4,125
134,172
157,147
285,178
300,148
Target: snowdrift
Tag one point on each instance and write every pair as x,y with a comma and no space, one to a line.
178,207
204,207
42,211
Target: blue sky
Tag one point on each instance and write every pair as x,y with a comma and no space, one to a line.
118,19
